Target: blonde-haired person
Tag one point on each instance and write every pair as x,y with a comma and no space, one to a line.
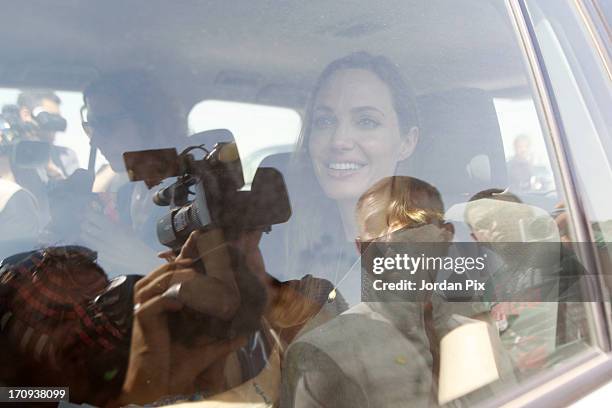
399,202
386,352
374,354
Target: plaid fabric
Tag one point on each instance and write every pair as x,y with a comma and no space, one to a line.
48,305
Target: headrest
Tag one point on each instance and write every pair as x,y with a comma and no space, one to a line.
209,138
460,150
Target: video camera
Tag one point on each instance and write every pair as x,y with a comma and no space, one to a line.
41,121
211,194
220,199
15,141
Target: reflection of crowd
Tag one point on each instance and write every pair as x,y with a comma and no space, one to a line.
177,334
524,174
29,162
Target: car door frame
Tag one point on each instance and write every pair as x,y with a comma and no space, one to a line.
583,373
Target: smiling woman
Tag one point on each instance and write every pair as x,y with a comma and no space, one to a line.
361,125
355,138
438,91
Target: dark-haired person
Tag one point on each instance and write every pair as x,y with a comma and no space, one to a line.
128,111
20,217
360,130
361,126
40,111
36,117
532,273
64,324
52,334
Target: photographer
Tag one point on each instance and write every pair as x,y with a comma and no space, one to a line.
95,347
34,122
127,111
40,115
19,211
54,331
165,367
162,364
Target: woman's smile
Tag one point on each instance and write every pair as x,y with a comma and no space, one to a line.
339,168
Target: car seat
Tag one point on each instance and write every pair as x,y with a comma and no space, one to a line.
460,150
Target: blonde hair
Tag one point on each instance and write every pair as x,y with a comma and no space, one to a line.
397,202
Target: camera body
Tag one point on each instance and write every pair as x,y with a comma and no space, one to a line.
17,142
210,192
42,121
12,127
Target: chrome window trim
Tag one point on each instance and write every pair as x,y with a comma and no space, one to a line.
598,28
549,112
560,386
586,371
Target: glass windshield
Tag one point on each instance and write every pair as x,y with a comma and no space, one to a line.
290,204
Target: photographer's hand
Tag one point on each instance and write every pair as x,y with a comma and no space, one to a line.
189,250
159,367
200,292
248,245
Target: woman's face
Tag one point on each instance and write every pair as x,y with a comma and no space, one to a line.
355,138
112,130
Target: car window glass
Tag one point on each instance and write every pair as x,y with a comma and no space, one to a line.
260,131
518,120
563,50
308,204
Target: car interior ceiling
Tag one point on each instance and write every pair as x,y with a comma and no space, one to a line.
206,50
270,53
235,53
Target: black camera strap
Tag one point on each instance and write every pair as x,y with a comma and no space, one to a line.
91,165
